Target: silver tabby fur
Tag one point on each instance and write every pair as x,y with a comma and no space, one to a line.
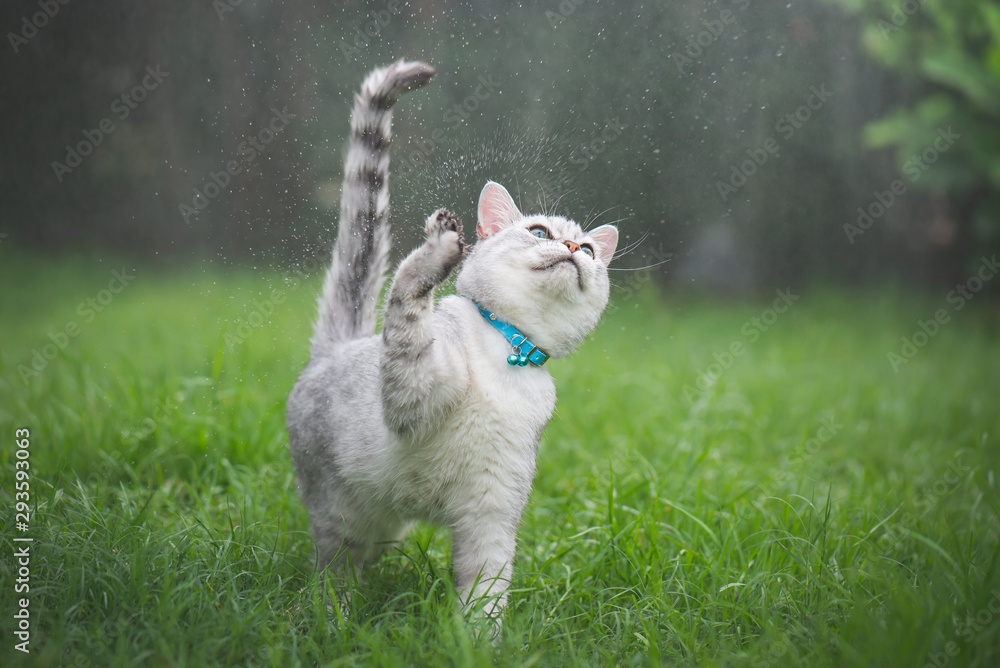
427,420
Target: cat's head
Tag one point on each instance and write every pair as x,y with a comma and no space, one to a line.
543,274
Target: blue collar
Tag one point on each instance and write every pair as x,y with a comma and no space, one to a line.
524,351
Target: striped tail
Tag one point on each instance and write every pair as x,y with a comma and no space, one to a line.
347,309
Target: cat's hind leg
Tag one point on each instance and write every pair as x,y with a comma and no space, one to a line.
345,549
341,555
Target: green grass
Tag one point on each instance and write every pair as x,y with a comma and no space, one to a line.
808,507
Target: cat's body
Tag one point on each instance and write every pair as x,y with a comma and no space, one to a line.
428,420
375,481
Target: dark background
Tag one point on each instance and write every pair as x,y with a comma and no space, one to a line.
630,112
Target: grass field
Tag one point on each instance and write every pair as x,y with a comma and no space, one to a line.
800,504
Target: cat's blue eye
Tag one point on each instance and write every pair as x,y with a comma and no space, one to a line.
588,249
540,232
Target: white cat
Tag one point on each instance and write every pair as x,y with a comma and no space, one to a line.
437,418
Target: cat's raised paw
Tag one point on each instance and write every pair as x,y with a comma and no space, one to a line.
441,221
445,241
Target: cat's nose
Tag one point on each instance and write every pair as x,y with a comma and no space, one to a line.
572,246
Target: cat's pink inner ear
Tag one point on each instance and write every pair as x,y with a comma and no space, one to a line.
606,238
496,210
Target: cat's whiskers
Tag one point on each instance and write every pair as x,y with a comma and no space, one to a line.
550,211
648,266
592,219
630,246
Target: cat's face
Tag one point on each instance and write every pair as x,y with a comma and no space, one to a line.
543,274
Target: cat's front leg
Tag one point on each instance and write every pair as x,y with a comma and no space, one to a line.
483,560
422,375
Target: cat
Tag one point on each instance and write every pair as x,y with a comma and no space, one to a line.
438,418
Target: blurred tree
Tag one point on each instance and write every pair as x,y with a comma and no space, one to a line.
946,133
658,114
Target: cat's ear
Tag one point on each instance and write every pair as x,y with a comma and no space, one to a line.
606,238
496,210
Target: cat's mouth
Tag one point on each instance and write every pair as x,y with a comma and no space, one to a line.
556,262
552,264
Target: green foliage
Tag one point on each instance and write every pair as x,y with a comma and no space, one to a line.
804,506
947,54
